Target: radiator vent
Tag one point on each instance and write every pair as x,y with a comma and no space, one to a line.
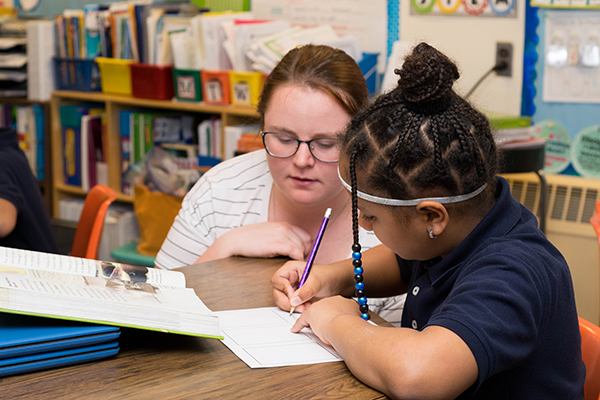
570,200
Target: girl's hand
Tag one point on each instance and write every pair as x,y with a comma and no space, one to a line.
264,240
323,312
285,282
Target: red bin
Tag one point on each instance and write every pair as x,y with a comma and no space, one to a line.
152,81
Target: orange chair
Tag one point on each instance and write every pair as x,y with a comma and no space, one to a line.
590,351
89,229
595,220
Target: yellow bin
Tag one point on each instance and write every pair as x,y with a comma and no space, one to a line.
245,87
115,75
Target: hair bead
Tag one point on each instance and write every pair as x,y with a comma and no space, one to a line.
356,248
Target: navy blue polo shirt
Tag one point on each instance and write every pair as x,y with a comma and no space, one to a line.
20,187
507,292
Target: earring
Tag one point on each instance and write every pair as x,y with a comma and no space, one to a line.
431,235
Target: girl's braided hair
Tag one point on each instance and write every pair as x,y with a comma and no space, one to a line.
422,139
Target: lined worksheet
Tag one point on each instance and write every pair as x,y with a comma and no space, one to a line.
261,338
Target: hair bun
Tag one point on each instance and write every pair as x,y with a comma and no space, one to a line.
426,75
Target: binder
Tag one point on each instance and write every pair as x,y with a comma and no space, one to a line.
40,50
22,335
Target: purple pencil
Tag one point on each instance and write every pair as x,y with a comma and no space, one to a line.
313,252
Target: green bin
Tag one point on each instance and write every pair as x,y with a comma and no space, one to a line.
187,84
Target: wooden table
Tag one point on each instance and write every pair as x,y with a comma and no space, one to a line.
154,365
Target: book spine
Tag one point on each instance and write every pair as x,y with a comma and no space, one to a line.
70,118
125,133
40,124
148,133
135,139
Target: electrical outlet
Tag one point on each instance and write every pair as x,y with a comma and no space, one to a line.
504,56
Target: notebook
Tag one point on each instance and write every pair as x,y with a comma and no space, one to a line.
23,334
53,359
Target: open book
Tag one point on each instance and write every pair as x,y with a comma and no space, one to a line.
109,293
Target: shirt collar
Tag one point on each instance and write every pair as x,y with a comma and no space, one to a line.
497,223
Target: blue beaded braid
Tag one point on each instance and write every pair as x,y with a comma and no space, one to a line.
359,285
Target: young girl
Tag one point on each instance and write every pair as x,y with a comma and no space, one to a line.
490,312
271,203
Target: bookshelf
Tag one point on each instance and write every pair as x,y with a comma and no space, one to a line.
229,114
46,183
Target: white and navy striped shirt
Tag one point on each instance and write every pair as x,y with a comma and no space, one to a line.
235,193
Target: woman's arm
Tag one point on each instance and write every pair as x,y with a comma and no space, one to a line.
265,239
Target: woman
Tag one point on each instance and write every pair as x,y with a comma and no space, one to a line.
271,203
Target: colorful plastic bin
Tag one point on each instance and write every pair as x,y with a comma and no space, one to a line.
215,87
76,74
152,81
115,75
246,87
188,84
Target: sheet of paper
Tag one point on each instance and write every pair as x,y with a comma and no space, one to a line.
261,338
366,20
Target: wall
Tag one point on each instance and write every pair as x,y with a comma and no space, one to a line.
471,42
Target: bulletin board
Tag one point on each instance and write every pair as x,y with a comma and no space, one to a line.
567,4
465,8
571,57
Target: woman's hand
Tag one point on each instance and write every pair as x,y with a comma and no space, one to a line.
264,240
322,313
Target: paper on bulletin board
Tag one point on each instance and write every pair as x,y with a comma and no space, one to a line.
572,57
465,8
366,20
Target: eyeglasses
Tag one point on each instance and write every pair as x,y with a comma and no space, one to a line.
280,145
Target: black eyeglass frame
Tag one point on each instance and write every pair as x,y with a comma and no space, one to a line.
298,143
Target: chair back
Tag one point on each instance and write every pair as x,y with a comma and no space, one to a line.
590,351
595,221
89,229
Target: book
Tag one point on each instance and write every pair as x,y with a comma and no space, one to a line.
108,293
91,27
509,135
215,55
125,129
144,36
26,135
233,133
209,138
92,155
39,126
70,120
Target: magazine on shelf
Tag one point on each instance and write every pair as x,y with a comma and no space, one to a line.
109,293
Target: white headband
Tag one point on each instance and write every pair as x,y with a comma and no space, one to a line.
413,202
